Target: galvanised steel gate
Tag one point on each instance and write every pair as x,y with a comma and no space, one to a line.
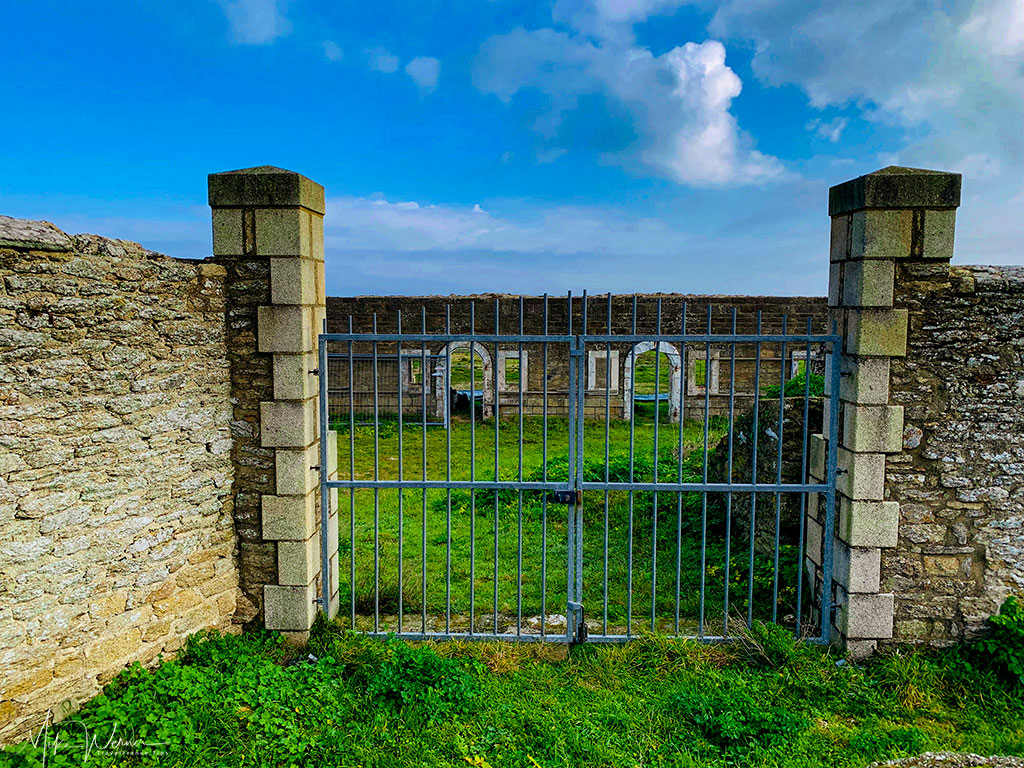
606,479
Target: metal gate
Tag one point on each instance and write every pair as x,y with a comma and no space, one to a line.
555,510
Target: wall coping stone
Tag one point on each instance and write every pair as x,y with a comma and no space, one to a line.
896,187
32,235
264,186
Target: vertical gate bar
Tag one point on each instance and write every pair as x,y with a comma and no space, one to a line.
351,476
497,493
544,476
728,496
325,562
778,472
570,535
446,381
679,466
753,473
376,491
803,479
423,514
581,421
704,475
830,497
472,468
519,540
657,452
401,492
632,439
607,441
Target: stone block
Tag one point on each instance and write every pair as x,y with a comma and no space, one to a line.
858,650
865,380
334,564
293,280
861,475
227,232
282,232
814,541
866,616
939,227
839,242
289,518
293,377
316,241
332,534
332,454
881,234
877,332
293,469
873,428
289,608
835,284
288,423
868,283
286,328
869,523
264,186
818,449
857,569
298,562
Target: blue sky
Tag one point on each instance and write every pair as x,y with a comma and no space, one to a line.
503,145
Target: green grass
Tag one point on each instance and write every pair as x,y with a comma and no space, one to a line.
531,570
759,702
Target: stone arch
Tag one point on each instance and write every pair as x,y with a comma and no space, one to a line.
442,380
674,378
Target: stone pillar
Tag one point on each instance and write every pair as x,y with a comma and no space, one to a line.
879,222
270,221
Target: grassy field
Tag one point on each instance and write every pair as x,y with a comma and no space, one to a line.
526,536
761,702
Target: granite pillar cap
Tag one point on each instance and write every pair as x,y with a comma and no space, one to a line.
265,187
896,187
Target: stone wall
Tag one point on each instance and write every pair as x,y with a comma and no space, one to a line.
465,314
116,535
959,479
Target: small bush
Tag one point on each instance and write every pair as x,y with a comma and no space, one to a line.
795,387
733,721
1002,649
418,676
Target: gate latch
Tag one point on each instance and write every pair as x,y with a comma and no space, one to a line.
566,497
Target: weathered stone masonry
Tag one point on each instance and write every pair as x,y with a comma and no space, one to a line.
930,525
959,479
116,535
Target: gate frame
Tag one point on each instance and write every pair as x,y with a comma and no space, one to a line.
576,485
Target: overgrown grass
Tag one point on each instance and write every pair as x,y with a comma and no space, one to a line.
761,701
447,543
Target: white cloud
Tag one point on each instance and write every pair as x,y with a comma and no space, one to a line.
829,129
424,70
255,22
332,51
382,60
677,103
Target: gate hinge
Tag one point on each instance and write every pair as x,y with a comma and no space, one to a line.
566,497
578,352
315,372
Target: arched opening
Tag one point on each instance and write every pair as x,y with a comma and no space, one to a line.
652,378
466,381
